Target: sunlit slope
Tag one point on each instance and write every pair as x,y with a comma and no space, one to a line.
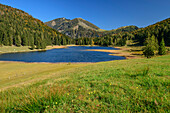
15,73
135,85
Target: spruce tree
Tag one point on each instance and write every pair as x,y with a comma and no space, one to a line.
162,49
32,43
18,41
151,46
38,44
63,41
148,51
91,42
10,40
43,44
56,41
24,40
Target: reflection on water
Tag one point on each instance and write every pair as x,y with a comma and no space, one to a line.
70,54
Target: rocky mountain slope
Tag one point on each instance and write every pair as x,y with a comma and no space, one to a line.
79,27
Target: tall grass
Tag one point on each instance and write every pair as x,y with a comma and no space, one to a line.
138,85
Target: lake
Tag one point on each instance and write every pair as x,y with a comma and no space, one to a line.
70,54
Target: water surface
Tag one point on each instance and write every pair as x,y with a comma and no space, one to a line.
70,54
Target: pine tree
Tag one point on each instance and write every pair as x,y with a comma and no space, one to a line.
151,46
63,41
162,49
56,41
148,51
5,39
43,44
10,40
1,35
24,40
38,44
18,41
91,42
32,43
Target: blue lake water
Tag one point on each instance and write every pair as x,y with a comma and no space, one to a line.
70,54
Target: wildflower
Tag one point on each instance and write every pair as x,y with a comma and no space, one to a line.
89,93
67,93
56,103
110,84
53,106
72,100
47,106
79,88
136,87
94,91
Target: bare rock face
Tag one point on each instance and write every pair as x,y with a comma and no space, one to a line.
53,23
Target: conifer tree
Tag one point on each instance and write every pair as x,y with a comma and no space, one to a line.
32,43
5,39
18,41
56,41
43,44
91,42
151,46
63,41
148,51
10,40
162,49
38,44
24,40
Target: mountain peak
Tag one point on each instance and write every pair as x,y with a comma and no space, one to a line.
78,27
65,25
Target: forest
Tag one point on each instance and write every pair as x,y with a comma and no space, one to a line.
160,30
21,29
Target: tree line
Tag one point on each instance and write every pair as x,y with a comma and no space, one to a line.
21,29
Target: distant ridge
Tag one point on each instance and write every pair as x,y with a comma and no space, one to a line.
79,27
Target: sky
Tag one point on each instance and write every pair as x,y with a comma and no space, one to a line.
106,14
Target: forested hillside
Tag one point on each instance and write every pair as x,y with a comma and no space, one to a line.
159,30
21,29
123,36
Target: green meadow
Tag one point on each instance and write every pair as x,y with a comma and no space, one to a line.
134,85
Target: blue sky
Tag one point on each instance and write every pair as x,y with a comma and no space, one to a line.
106,14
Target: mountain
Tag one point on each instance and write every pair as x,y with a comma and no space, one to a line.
21,29
75,28
61,24
126,35
79,27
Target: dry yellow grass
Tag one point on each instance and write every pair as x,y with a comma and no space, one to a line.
128,52
14,49
17,73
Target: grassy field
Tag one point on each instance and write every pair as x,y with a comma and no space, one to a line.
15,74
13,49
134,85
